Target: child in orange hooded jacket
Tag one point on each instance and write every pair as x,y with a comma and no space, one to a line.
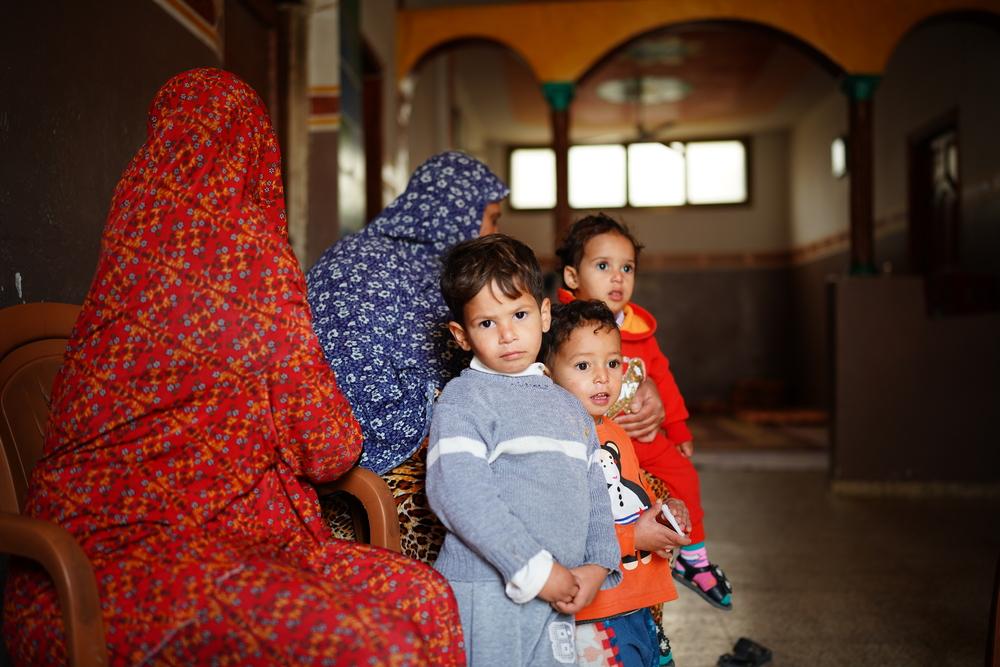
599,258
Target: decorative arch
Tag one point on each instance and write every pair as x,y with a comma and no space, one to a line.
466,40
819,58
560,41
988,18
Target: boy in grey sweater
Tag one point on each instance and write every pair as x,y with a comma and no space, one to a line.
511,472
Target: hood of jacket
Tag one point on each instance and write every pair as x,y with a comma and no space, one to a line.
639,324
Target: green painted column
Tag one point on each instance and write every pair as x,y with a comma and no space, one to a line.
860,89
559,94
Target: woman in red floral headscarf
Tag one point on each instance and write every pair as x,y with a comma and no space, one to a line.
193,409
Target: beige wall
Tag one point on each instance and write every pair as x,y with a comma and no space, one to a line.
378,25
819,202
428,131
916,398
938,68
910,386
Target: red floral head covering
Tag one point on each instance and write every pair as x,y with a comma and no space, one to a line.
193,372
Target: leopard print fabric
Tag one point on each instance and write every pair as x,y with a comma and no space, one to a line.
660,489
421,534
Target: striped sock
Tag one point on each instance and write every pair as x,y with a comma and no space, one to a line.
697,556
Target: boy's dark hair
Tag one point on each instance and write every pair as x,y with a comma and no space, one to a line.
568,317
570,253
472,265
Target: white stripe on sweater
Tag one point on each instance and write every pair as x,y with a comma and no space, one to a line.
534,444
456,445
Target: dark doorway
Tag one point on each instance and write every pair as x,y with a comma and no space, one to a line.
934,198
935,224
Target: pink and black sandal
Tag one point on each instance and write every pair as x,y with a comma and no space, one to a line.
720,595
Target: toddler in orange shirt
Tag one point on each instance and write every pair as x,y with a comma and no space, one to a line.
583,355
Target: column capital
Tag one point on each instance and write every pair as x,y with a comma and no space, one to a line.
860,86
558,94
863,269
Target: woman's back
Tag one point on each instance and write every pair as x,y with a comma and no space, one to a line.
192,410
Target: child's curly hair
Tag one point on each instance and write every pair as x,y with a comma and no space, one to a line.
568,317
570,253
472,265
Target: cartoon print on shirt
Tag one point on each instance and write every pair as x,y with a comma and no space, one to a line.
628,499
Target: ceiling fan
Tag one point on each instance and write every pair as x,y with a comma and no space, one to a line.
641,91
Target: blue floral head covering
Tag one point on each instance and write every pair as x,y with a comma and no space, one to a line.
377,305
443,203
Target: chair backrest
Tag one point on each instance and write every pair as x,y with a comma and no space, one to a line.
32,340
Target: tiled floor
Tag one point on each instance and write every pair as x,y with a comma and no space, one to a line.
827,580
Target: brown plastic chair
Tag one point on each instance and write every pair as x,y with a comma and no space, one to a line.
32,340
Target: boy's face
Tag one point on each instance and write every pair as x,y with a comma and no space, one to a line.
606,271
589,366
503,333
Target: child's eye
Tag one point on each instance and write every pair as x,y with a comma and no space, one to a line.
628,268
614,363
582,366
601,266
520,315
486,324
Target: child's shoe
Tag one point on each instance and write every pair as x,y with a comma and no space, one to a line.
708,581
746,653
666,654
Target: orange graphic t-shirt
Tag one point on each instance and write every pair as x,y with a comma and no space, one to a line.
646,579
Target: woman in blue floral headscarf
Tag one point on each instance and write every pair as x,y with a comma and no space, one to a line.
378,312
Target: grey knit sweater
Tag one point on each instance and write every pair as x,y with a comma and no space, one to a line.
510,472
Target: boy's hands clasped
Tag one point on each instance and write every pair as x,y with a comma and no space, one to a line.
587,580
561,587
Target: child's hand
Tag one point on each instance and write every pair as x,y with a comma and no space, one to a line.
651,535
560,587
687,448
647,413
589,577
680,512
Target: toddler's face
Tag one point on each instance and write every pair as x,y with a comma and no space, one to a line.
589,366
503,333
606,271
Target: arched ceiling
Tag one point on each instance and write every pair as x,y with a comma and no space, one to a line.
562,41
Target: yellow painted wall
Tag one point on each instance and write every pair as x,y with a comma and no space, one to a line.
560,41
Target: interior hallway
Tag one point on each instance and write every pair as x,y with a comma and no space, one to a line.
822,579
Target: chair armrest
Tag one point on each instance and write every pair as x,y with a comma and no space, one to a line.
375,496
56,550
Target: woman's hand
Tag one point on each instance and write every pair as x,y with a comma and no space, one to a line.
646,413
651,535
680,512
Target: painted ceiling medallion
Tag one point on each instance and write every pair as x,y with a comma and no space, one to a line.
660,51
644,89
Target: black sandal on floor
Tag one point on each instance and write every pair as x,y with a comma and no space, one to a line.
746,653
